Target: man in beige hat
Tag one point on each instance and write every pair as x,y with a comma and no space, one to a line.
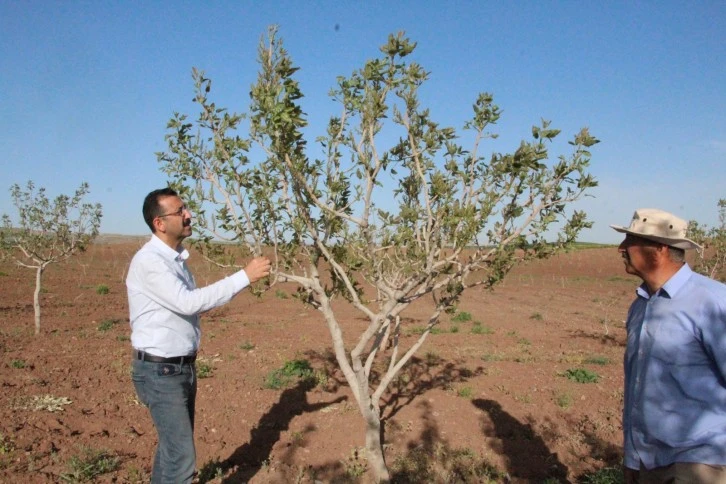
674,417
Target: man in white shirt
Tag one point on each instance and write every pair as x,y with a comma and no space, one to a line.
164,307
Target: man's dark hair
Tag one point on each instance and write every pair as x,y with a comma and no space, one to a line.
151,208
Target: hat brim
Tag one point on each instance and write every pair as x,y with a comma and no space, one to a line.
685,244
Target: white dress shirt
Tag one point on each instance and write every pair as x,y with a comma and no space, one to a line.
164,302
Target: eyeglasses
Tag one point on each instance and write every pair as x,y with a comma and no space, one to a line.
178,213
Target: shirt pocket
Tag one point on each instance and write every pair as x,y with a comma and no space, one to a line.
676,344
682,369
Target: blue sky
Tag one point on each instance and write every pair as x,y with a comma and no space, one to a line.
86,88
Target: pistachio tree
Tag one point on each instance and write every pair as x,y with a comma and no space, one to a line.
47,231
712,260
385,210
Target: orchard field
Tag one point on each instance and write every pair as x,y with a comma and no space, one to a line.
521,384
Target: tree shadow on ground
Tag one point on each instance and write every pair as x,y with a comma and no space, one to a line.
419,376
429,459
608,455
527,453
247,459
433,459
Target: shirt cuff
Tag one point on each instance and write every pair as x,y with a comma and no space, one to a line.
240,280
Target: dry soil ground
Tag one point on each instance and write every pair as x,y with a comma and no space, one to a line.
493,389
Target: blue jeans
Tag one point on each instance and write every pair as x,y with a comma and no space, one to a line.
169,391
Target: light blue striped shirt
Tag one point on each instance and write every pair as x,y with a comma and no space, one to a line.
675,374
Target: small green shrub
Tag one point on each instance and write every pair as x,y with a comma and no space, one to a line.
135,475
107,324
465,392
403,379
321,378
536,316
280,294
606,475
297,438
563,399
247,346
597,360
102,289
454,329
3,274
18,364
213,469
422,330
432,359
478,328
524,398
204,369
355,465
89,465
462,317
291,371
582,375
6,445
492,357
619,279
526,358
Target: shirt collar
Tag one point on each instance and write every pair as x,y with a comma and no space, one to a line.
177,255
672,285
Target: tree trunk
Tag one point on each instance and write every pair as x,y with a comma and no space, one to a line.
36,297
357,379
374,447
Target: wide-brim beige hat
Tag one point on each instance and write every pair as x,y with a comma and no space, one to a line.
659,226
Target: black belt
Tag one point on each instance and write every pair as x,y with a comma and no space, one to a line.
174,360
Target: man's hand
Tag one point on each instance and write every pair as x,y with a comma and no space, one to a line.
258,268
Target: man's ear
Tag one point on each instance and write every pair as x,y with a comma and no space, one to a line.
663,250
159,225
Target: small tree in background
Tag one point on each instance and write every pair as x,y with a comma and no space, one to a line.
47,232
394,211
712,262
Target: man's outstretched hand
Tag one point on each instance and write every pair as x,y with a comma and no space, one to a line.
258,268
